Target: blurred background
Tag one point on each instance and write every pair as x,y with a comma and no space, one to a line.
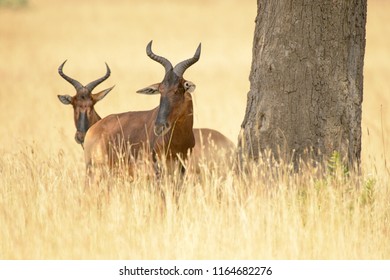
36,36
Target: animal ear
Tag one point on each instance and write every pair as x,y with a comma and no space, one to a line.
189,86
152,89
100,95
65,99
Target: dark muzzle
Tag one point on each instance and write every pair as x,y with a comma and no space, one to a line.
161,129
162,126
82,126
79,137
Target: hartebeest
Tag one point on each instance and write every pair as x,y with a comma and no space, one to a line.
165,131
207,141
83,102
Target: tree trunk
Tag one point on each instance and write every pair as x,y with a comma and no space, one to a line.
306,80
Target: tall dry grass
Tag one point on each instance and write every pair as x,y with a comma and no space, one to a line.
266,213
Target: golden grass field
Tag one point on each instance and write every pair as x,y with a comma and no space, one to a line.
264,214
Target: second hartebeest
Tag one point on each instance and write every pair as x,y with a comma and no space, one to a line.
165,131
83,102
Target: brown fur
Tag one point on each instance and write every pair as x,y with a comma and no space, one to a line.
83,103
211,147
121,138
164,132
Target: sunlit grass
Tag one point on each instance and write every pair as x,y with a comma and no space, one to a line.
267,212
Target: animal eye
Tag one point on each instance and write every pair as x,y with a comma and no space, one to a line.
186,85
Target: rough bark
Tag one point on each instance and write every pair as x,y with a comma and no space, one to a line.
306,80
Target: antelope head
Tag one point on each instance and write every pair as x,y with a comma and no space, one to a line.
174,90
83,102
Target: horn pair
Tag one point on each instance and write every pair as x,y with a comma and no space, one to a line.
180,68
77,85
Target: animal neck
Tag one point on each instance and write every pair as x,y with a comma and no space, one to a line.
94,118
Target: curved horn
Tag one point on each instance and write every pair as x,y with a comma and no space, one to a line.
181,67
162,60
93,84
77,85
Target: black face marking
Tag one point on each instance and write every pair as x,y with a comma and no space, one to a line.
82,122
163,112
170,78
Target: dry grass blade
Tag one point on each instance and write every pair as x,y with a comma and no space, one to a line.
217,213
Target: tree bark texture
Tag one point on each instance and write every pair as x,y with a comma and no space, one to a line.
306,80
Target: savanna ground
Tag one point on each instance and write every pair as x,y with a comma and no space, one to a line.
45,212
